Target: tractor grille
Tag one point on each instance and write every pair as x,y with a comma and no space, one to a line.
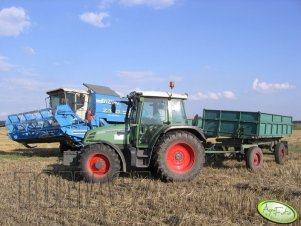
91,136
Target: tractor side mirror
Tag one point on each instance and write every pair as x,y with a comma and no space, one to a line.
113,108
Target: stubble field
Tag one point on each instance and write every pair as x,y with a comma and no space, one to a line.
36,190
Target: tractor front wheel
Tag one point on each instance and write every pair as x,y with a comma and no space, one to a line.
254,158
99,163
179,156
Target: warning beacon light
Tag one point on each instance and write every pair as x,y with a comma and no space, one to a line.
171,85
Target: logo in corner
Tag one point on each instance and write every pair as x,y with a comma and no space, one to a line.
277,212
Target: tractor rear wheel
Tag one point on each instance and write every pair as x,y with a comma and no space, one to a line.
99,163
179,156
254,158
280,153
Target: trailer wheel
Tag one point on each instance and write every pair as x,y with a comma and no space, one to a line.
254,158
99,163
280,153
179,156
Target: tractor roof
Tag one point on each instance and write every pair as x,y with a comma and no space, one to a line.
66,90
159,94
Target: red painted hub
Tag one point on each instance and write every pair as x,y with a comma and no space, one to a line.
180,158
256,159
98,164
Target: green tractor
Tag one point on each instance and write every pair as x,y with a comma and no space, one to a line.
155,135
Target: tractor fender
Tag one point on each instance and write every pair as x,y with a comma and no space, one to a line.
117,150
192,129
199,133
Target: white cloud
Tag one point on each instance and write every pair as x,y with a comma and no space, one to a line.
213,95
229,94
104,4
3,115
29,51
156,4
13,21
95,19
23,93
4,66
24,83
270,87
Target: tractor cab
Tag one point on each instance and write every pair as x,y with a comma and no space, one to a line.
158,107
76,99
153,111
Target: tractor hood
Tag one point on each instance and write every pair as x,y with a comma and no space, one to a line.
115,134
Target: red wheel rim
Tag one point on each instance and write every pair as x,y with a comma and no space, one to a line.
180,158
98,164
256,159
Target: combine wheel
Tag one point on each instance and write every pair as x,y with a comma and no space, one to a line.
179,156
280,153
254,158
99,163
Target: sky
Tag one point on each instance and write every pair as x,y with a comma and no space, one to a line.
226,54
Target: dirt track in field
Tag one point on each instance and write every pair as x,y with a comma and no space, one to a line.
36,190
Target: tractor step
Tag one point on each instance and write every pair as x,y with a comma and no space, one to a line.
71,158
140,158
142,154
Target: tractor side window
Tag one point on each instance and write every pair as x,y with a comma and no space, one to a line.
154,111
178,112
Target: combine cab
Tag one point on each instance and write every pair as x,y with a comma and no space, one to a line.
70,114
76,99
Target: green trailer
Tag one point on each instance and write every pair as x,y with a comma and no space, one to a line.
245,125
244,135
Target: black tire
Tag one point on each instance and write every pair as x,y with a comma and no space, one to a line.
99,163
280,153
179,156
254,158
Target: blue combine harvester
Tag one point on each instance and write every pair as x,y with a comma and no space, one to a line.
71,113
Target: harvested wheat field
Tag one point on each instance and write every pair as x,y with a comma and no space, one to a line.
36,190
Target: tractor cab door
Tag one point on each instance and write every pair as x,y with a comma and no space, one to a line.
153,116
